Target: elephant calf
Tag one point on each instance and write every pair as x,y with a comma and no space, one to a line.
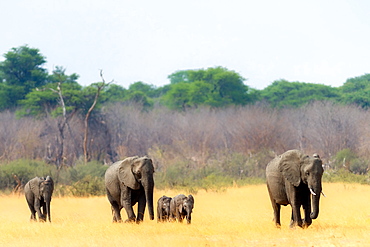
38,192
163,208
181,207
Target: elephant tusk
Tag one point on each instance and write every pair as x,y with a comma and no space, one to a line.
323,194
313,193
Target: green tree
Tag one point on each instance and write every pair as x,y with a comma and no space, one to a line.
148,90
179,76
141,93
216,87
356,91
115,93
284,93
178,96
20,72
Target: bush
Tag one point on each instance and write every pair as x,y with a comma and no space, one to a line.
81,180
89,186
348,159
342,175
84,179
25,171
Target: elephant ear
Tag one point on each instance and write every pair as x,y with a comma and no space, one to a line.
35,186
290,166
191,199
125,174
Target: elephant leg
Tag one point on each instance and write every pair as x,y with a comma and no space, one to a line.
159,214
276,207
178,216
116,212
43,211
130,212
307,213
33,212
181,218
171,217
37,207
141,209
296,216
126,203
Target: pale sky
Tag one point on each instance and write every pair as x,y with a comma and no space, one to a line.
317,41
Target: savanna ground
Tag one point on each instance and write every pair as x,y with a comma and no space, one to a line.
234,217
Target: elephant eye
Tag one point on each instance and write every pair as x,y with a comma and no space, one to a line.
307,173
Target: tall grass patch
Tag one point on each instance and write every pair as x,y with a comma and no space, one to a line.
237,216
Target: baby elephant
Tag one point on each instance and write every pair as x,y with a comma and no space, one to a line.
38,192
180,207
163,208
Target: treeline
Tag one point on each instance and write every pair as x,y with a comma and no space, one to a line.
205,128
28,88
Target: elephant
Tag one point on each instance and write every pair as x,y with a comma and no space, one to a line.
38,192
181,207
163,208
128,182
294,178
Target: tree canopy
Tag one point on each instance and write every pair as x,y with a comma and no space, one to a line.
284,93
21,72
357,91
215,87
26,86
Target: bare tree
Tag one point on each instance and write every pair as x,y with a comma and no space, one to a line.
62,123
100,87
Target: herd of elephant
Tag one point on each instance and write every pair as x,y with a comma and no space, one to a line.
292,178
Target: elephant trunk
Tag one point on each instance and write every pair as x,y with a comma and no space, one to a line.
149,189
48,209
315,203
188,216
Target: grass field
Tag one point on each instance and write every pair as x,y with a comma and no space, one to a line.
235,217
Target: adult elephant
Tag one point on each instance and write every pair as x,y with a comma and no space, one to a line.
38,192
128,182
293,178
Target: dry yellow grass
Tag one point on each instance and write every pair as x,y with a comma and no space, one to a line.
236,217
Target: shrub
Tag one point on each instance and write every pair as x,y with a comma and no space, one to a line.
88,186
342,175
348,159
25,170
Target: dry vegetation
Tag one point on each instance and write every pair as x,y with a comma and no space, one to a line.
196,135
235,217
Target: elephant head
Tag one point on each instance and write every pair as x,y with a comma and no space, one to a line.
297,167
135,172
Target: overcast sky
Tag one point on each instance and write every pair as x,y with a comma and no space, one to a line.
318,41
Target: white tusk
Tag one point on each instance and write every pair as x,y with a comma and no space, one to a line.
323,194
313,193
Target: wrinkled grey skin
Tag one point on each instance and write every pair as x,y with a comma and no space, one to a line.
181,207
294,178
38,192
128,182
163,208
